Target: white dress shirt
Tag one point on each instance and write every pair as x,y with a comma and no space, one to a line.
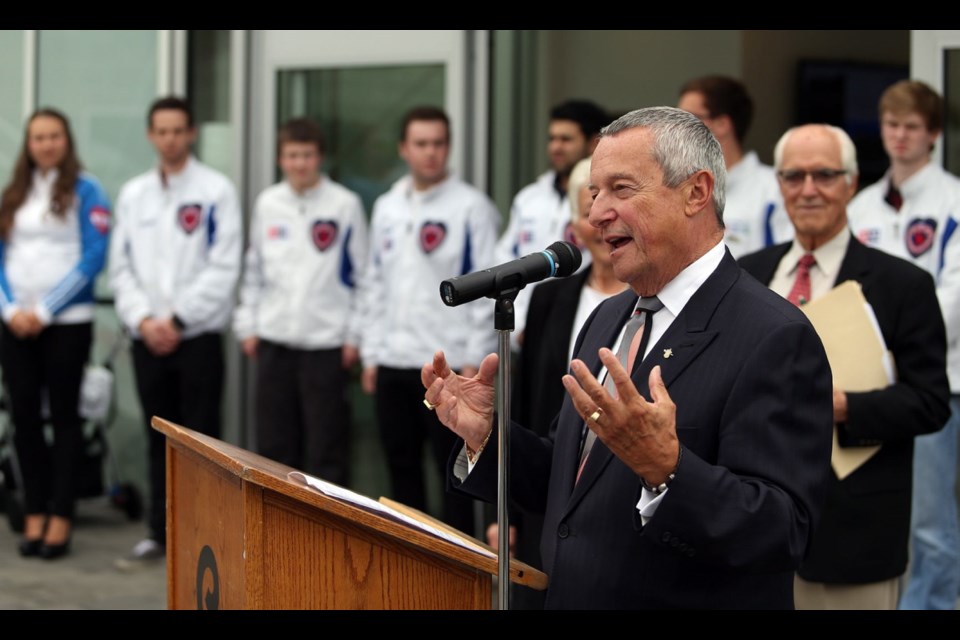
674,296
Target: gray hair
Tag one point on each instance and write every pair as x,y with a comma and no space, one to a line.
579,178
848,150
682,146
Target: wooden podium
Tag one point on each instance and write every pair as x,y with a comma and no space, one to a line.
240,535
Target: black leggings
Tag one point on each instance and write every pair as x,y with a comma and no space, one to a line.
53,361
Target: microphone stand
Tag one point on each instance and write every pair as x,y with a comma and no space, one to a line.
504,324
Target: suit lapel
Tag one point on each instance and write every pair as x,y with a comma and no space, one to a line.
855,264
609,319
686,339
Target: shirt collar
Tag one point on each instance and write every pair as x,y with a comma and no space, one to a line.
309,192
829,255
677,293
175,179
427,194
748,163
916,184
45,182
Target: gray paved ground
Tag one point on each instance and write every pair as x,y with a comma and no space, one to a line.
86,579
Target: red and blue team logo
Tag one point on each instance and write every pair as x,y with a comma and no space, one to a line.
100,218
869,237
189,216
920,235
432,235
324,234
276,232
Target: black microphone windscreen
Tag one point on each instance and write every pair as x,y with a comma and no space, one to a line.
569,258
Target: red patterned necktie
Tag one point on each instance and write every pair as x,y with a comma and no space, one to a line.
800,294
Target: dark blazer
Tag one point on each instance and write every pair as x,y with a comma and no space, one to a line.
537,390
753,396
863,536
538,393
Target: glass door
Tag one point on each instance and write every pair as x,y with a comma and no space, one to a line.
935,59
358,85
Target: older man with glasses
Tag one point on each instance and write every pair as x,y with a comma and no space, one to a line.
859,549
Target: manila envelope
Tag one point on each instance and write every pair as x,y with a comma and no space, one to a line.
857,353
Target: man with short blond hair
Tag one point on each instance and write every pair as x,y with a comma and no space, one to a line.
913,212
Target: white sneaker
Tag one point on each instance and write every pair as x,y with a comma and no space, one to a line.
145,553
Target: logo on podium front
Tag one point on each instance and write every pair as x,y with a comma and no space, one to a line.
208,581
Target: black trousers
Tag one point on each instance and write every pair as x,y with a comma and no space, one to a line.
53,361
185,387
405,423
303,410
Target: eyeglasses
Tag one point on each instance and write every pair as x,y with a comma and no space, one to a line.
796,178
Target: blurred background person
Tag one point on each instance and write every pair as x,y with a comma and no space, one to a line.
54,226
913,212
428,227
558,308
175,260
860,548
754,216
540,213
298,313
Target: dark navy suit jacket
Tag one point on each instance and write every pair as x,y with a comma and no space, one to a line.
753,396
863,536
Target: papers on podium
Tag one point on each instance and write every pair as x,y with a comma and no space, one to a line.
857,353
395,511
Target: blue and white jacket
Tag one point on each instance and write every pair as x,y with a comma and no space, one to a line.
49,263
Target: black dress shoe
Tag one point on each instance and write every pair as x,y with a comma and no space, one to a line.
30,547
51,551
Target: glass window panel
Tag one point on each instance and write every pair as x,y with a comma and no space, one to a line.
951,96
105,95
11,100
209,90
106,107
360,110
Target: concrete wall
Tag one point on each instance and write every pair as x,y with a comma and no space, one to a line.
770,63
624,70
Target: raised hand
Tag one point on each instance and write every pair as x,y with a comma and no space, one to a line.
463,404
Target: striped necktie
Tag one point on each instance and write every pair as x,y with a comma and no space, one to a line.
636,336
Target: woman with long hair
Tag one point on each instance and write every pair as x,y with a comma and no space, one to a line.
54,226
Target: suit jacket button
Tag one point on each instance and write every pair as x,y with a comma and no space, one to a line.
563,530
691,552
674,542
665,536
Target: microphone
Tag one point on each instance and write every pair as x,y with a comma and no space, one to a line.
559,259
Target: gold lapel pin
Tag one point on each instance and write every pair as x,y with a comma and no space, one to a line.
667,353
